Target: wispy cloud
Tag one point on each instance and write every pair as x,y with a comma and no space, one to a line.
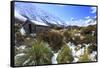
93,9
81,22
87,17
72,19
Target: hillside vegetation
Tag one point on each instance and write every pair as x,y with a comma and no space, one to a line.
72,45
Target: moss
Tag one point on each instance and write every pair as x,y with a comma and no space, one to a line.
65,55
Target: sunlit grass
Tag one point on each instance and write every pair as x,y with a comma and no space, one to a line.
65,55
39,54
84,57
39,50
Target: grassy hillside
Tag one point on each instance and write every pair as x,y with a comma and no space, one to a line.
39,50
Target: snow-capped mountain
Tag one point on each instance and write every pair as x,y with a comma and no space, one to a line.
82,22
29,11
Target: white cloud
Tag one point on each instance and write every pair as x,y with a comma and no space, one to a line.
82,22
88,20
79,22
95,16
87,17
72,19
93,9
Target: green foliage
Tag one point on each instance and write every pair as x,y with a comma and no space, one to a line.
89,39
92,48
65,55
38,54
84,57
19,60
41,52
19,38
17,26
28,41
77,40
38,50
23,40
67,35
88,29
53,38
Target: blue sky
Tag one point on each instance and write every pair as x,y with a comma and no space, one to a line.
70,14
67,12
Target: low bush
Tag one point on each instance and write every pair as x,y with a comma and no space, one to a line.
53,38
65,55
92,48
67,35
38,54
89,39
84,57
19,38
